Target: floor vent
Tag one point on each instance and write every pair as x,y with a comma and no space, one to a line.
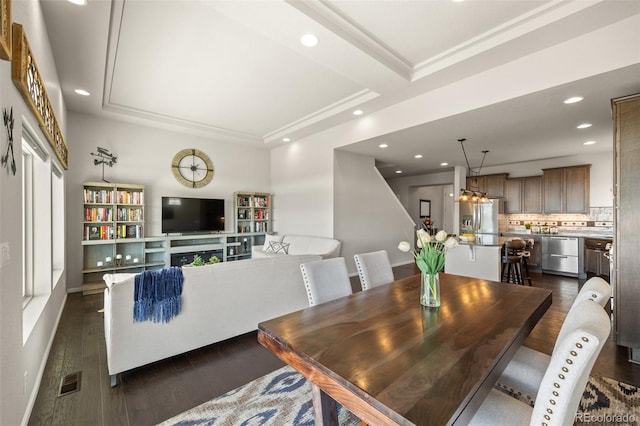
70,383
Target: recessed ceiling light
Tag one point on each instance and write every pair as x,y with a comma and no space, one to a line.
82,92
358,112
589,143
383,145
286,140
444,164
573,100
418,156
78,2
309,40
398,171
584,126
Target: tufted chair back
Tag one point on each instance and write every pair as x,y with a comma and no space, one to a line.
571,363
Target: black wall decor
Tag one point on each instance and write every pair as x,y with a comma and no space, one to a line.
8,123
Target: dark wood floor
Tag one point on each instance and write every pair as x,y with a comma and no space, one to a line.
156,392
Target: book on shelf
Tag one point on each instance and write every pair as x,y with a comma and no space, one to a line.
98,214
129,231
262,202
98,196
130,197
133,214
98,232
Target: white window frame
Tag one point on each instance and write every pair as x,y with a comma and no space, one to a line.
27,224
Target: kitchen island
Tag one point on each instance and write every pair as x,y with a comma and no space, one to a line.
478,259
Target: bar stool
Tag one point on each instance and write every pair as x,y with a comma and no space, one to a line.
512,261
526,254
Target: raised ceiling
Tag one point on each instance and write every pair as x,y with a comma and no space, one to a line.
236,71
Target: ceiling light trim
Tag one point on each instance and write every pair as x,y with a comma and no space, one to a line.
178,123
331,18
526,23
341,106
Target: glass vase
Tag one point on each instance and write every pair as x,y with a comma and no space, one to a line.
430,291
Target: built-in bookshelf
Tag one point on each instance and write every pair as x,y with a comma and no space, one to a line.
113,233
252,212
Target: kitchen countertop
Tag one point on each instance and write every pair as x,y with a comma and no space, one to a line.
485,241
560,234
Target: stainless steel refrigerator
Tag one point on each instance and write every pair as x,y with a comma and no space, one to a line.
482,216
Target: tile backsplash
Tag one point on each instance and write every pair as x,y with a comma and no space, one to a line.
598,221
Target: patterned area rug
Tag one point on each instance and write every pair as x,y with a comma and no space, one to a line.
283,397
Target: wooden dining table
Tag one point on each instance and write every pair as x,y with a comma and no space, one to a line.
389,360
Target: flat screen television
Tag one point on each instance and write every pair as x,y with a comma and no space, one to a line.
191,215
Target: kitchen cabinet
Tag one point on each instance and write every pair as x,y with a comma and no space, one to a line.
566,189
492,185
595,264
523,195
513,196
535,254
532,194
626,222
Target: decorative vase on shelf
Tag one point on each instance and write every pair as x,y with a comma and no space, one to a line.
430,291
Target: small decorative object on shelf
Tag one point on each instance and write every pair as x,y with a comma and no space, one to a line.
430,260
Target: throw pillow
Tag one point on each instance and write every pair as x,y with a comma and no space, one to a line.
278,247
268,238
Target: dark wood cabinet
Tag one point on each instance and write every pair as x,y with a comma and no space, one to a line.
626,198
566,189
552,188
523,195
476,183
534,262
492,185
513,196
532,194
577,189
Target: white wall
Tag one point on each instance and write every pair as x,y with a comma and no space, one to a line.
367,214
144,157
302,188
18,358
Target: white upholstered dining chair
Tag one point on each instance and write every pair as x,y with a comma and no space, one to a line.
526,369
326,280
564,381
373,269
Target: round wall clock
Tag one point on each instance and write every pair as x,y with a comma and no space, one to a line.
192,168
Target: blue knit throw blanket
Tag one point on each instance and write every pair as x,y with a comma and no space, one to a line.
158,295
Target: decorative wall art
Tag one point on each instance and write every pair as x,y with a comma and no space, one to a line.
5,29
425,208
8,123
30,84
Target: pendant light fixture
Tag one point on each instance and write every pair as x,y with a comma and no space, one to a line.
470,195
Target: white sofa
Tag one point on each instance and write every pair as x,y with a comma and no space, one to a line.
300,244
218,302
